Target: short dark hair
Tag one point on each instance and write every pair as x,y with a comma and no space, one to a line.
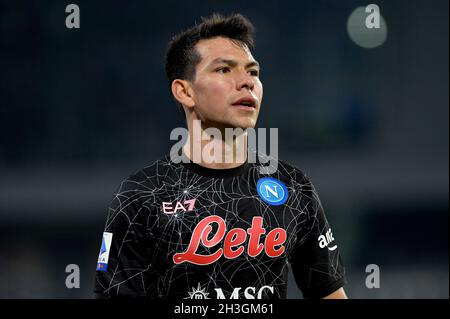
181,56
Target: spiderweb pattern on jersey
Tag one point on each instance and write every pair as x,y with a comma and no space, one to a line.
164,180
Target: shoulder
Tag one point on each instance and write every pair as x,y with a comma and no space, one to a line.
291,171
298,180
143,186
137,194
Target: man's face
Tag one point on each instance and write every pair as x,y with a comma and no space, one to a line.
227,89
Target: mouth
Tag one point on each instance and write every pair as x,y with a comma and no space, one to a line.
245,103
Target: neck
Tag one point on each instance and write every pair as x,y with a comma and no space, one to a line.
216,148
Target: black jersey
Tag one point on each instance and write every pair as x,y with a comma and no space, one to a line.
185,231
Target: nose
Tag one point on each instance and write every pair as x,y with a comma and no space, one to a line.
246,81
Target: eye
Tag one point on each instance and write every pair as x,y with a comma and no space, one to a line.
224,69
254,72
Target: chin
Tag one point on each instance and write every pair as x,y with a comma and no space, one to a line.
250,123
245,126
241,123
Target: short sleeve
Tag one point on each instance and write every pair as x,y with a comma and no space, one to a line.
122,267
315,260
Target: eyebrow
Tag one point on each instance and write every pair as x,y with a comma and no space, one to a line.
233,63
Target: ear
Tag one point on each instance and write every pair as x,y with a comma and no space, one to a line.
183,93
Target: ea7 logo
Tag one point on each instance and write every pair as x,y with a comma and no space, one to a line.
173,208
326,240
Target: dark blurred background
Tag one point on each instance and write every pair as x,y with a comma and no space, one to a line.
81,109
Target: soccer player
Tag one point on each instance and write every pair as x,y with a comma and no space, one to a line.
207,230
